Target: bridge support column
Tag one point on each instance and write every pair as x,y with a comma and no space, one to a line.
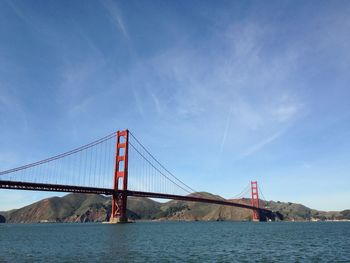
119,201
255,200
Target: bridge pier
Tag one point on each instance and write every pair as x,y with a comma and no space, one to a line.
267,215
262,217
255,201
120,196
119,202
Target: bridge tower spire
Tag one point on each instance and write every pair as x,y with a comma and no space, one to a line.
255,200
119,200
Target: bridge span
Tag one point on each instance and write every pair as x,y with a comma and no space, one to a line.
87,169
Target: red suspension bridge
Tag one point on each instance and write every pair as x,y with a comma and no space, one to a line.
89,169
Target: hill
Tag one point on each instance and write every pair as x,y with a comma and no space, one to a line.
97,208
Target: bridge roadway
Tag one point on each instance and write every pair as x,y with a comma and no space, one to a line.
265,214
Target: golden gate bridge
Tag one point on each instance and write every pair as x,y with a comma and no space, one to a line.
118,165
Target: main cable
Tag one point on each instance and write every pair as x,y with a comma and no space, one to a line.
79,149
261,192
186,190
144,148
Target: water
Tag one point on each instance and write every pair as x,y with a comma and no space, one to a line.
176,242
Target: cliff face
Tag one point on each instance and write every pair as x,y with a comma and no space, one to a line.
97,208
181,210
299,212
2,219
70,208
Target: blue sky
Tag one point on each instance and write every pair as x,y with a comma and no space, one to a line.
222,92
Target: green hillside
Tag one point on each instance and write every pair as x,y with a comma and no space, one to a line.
97,208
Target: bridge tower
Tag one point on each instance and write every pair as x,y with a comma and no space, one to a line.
255,200
119,200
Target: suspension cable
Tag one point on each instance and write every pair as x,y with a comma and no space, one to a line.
157,168
144,148
241,194
261,193
79,149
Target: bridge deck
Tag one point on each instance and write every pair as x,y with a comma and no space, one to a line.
107,191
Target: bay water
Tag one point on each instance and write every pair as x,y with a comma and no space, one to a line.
177,242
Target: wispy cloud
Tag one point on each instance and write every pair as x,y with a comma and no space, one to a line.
248,116
157,104
115,14
17,10
138,101
194,87
285,112
227,127
257,147
75,82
